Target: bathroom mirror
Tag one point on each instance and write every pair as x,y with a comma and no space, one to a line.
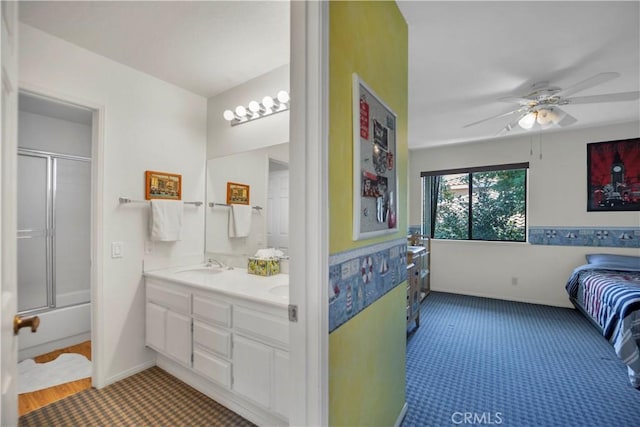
266,172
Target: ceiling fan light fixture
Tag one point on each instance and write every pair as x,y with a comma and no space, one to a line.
528,120
546,117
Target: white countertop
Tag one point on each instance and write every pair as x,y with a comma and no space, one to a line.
236,282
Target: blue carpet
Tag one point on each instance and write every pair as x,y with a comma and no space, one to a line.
482,361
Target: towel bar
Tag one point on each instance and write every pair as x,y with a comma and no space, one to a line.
212,204
127,200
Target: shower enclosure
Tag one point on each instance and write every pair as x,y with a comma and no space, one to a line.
54,223
53,230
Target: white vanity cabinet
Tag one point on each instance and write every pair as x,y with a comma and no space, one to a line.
235,351
168,321
260,357
212,339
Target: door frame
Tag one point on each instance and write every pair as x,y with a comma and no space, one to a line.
8,212
98,377
309,228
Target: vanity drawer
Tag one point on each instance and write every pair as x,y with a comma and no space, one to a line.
215,369
207,309
212,338
169,298
261,325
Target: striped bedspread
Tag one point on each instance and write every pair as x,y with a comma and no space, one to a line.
612,299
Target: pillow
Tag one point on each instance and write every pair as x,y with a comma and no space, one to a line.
621,260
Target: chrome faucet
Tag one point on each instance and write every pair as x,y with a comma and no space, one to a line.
210,262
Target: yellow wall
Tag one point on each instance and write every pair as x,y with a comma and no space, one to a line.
368,38
367,365
366,354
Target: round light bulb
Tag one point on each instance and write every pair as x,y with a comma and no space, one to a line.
254,107
228,115
544,117
527,121
553,116
241,111
283,96
267,101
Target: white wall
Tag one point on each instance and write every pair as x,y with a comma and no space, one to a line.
148,125
38,132
224,139
557,196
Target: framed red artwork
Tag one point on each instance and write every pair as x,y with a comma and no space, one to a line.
613,175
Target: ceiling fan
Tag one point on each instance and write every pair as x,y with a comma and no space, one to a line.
542,104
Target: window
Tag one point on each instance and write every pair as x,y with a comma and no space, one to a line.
482,203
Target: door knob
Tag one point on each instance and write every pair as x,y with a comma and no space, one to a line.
20,322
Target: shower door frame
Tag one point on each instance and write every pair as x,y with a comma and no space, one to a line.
50,229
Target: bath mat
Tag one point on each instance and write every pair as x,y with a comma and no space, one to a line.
67,367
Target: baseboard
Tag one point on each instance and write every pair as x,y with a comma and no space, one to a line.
136,369
505,298
402,414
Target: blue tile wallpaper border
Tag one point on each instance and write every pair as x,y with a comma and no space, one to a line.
612,237
415,229
359,277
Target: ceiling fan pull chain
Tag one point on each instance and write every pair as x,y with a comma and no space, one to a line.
531,146
540,142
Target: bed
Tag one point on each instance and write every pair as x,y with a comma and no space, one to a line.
607,291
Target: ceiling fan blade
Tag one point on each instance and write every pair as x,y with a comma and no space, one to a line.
512,124
590,82
495,117
609,97
517,99
563,118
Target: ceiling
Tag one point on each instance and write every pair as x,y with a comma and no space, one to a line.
205,47
463,56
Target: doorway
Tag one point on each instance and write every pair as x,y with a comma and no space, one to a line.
278,206
54,200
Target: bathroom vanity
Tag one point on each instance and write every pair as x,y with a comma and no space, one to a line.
225,333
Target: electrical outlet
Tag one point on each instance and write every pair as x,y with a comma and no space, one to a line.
514,281
148,247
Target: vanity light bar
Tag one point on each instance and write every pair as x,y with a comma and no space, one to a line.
256,110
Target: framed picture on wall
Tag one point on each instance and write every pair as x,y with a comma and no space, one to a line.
375,176
237,194
162,185
613,175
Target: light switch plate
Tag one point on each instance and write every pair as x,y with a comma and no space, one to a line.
116,249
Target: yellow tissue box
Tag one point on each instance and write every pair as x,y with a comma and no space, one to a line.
263,267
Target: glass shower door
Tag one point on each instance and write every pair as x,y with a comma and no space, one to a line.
71,219
34,184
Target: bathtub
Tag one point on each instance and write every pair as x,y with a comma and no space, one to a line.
59,328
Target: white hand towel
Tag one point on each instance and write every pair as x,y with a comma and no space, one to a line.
239,220
165,224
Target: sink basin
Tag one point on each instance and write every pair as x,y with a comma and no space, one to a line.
201,270
280,290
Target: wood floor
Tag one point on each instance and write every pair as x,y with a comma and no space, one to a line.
28,402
